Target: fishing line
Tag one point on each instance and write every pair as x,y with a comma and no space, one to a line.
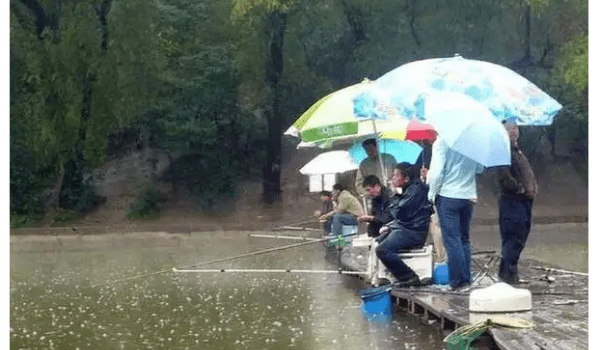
160,272
282,226
298,238
339,271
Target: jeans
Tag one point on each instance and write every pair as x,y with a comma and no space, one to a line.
455,219
396,241
515,223
339,219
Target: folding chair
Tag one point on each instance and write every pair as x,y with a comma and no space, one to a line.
489,264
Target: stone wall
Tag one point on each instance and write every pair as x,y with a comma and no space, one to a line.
124,176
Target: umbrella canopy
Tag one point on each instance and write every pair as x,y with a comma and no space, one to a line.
468,127
415,131
403,151
331,162
507,94
333,118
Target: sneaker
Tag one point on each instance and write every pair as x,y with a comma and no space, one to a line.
463,288
383,282
413,281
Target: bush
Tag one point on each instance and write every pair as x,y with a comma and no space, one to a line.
148,205
64,215
28,184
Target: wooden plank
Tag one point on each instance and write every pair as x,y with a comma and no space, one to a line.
560,306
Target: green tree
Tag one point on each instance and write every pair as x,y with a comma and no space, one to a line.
82,68
275,18
197,119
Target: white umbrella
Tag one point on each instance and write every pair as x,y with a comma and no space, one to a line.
331,162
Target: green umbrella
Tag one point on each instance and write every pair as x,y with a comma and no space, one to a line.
333,119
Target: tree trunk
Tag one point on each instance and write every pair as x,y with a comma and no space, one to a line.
53,194
102,12
173,176
40,15
528,31
276,23
409,9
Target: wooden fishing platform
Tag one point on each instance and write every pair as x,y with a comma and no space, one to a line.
559,304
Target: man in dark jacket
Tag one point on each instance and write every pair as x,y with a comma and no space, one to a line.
517,189
412,214
380,205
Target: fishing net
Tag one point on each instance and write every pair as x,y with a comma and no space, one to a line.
463,337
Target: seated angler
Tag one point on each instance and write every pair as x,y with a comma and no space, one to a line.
380,203
412,214
345,212
326,207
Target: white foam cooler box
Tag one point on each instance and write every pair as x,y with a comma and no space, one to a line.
499,300
500,297
419,260
362,240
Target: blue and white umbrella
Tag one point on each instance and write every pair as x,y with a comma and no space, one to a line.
403,151
468,127
508,95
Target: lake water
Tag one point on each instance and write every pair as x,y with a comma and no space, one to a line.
61,298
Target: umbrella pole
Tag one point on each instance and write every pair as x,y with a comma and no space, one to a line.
384,180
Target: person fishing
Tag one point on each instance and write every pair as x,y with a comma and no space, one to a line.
345,212
408,230
381,197
326,206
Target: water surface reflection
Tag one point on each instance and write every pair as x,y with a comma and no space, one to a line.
54,307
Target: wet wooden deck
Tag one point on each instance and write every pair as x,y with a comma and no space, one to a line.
559,298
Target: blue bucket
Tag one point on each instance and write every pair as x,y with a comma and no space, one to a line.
440,274
377,303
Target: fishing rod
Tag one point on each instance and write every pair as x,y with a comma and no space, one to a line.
294,226
283,237
339,271
549,269
426,290
160,272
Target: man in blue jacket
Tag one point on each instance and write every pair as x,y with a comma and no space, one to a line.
412,214
380,205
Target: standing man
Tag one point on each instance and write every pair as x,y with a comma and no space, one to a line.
517,189
345,212
372,166
412,214
453,190
380,205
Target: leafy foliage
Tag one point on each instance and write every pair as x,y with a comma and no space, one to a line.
197,118
192,77
573,63
71,86
147,205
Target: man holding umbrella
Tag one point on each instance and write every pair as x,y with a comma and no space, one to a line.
517,189
372,166
453,190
